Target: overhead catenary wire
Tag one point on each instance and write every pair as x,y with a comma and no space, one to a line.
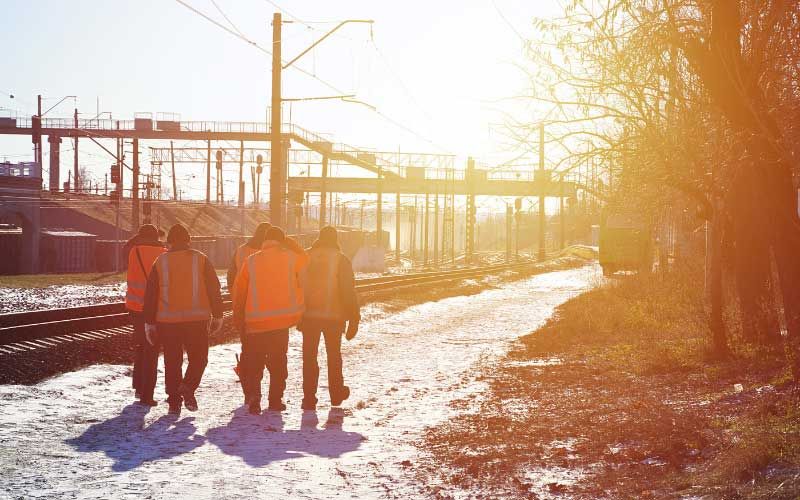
219,9
312,75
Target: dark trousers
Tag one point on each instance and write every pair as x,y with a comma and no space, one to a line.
333,348
262,348
177,338
145,359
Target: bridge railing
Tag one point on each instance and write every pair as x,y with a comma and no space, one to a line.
509,175
110,124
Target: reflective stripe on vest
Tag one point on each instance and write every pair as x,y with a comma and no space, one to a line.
256,311
199,309
135,292
325,281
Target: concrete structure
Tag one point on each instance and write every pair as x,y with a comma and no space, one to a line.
20,192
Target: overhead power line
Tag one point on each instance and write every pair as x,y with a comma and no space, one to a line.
307,73
220,25
226,17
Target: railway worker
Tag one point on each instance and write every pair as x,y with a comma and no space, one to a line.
142,250
268,300
241,254
182,306
331,303
244,251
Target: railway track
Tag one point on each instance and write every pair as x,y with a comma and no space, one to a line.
26,331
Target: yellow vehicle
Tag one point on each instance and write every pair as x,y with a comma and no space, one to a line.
624,244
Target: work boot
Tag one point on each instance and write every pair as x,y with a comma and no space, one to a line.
148,402
276,406
189,401
343,394
254,408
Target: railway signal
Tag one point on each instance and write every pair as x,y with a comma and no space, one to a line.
115,170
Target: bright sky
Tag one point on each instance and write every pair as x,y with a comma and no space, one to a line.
434,66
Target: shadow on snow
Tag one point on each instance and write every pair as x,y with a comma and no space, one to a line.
125,438
257,440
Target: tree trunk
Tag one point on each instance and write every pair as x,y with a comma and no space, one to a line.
752,259
719,336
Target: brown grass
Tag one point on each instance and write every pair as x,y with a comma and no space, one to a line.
643,411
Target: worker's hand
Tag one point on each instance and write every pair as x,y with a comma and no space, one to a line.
150,334
214,326
352,328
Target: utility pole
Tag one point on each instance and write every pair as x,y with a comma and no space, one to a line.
37,139
135,187
119,202
55,162
436,230
397,228
331,213
426,229
412,233
542,185
276,181
379,210
421,224
241,186
517,219
323,194
278,167
75,157
509,215
471,211
174,182
208,171
561,214
120,157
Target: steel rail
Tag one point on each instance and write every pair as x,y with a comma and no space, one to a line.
69,323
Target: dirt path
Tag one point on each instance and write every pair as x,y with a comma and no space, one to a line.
76,436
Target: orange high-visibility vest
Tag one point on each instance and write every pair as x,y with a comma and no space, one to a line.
140,262
182,281
274,291
323,300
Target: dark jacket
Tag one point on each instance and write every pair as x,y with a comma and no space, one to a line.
346,287
233,269
152,292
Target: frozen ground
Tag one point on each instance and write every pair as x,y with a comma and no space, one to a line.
78,436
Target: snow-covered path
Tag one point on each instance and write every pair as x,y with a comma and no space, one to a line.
79,436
